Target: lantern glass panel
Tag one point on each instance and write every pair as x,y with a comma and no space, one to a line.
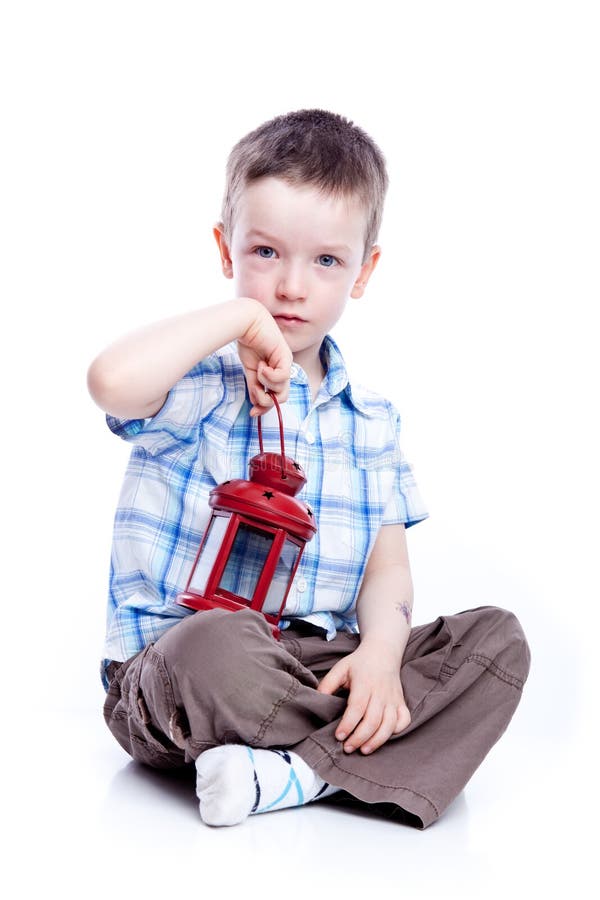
281,579
206,560
248,554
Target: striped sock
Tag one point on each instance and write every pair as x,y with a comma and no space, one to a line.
235,781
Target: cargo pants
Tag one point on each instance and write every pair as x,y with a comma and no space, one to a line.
219,677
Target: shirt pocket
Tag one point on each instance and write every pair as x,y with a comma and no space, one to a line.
215,462
372,478
381,455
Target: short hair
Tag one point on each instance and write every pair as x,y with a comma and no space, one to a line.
315,147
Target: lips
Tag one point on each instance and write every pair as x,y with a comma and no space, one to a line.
287,318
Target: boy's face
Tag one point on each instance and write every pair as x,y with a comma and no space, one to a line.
300,254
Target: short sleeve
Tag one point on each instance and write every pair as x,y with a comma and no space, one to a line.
405,503
176,424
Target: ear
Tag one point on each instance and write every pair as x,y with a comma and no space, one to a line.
365,272
226,263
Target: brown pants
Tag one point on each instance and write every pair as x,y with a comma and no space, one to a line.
219,677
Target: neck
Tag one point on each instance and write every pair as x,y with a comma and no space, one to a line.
312,365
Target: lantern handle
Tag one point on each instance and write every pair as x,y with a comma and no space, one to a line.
260,440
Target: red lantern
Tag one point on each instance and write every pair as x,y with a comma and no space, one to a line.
254,540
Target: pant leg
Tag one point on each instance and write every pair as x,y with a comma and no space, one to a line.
215,678
462,677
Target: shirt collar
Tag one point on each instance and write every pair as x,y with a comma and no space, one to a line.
336,379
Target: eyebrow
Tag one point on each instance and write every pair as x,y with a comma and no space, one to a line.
273,240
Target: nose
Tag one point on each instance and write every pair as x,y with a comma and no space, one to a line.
292,283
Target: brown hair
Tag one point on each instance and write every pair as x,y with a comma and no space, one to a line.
310,146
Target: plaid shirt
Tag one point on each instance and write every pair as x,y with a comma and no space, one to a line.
347,442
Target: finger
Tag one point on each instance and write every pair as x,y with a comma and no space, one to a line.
355,710
367,726
403,719
264,405
259,410
261,398
385,730
335,678
275,375
276,380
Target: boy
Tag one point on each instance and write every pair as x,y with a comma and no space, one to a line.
351,699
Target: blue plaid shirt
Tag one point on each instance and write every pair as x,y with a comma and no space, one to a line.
347,442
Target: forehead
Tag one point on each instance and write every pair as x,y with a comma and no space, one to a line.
278,207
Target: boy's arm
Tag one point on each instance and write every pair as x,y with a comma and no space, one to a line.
385,600
376,708
132,377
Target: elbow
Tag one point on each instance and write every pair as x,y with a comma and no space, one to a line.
98,382
106,387
113,391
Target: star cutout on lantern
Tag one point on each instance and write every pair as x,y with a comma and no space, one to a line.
309,511
268,494
297,466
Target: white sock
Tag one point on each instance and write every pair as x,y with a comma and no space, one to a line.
235,781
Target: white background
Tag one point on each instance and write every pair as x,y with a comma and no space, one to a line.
479,323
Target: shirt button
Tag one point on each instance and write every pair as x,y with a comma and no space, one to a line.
301,586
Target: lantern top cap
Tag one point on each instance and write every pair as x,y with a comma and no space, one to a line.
273,470
276,469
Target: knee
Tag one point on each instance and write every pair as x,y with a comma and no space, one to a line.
210,648
213,635
227,673
505,641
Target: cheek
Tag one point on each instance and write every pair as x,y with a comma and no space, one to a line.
334,285
251,281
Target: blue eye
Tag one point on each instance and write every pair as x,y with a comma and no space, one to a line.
327,261
265,252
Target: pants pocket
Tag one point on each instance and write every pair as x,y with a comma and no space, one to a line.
139,698
425,657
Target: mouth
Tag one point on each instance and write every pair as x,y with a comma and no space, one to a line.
289,320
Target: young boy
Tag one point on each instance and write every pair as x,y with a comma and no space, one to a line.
351,698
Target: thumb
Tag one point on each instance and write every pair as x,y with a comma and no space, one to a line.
337,677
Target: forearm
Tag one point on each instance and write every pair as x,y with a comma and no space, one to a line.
132,376
384,610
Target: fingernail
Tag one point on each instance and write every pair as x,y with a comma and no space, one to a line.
348,748
341,735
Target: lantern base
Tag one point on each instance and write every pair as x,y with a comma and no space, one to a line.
197,602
